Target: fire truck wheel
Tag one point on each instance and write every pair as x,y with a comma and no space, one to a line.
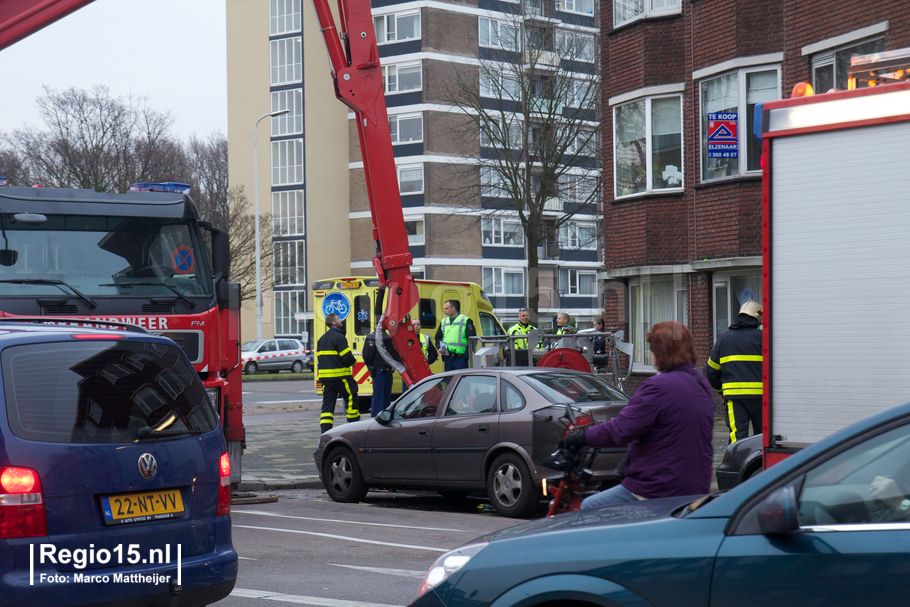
511,488
250,368
341,477
297,367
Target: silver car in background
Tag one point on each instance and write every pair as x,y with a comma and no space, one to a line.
274,355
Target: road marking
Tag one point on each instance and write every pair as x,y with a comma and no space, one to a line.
302,600
344,537
401,572
331,520
245,558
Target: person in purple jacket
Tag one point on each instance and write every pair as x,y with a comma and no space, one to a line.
667,425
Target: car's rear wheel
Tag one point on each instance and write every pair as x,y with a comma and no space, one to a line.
250,368
510,487
341,477
297,367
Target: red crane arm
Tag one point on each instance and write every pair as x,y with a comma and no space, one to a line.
354,56
21,18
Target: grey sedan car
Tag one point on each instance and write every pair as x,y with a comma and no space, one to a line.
465,431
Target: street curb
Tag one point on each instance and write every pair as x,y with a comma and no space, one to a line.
304,482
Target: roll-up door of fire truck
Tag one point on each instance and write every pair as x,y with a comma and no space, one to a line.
840,278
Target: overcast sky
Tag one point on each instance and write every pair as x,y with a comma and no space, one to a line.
170,51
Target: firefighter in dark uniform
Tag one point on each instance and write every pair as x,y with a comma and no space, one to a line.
734,370
334,360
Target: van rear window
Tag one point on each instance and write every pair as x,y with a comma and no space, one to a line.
100,392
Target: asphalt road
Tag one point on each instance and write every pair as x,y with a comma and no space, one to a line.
306,549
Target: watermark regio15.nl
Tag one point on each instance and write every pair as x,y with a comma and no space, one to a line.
80,558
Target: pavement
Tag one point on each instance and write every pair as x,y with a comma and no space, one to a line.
280,446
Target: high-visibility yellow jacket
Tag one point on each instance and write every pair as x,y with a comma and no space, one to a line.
520,329
334,358
735,365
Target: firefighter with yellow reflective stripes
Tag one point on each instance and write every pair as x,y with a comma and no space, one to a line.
334,360
734,369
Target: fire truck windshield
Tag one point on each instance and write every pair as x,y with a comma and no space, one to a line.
103,256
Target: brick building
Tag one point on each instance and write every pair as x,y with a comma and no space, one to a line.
682,229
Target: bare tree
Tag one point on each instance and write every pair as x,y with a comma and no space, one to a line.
96,141
229,209
13,169
535,106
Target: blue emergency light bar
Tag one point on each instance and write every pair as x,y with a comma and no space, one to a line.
2,180
167,186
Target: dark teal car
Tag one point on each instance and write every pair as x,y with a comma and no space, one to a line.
827,526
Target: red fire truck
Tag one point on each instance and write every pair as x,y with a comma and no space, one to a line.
137,258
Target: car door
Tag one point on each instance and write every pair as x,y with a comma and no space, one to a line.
285,348
468,428
268,349
851,547
401,449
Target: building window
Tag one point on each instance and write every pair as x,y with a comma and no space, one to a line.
499,85
575,46
736,93
287,305
292,122
731,291
504,133
286,61
402,77
586,7
406,128
625,11
582,93
494,33
502,231
504,281
654,300
831,68
397,27
577,282
584,143
648,145
287,162
414,230
578,235
288,213
491,183
577,188
284,17
410,178
290,262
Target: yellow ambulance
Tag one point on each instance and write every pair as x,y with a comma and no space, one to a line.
353,300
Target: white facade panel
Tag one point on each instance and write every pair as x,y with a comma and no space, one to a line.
840,307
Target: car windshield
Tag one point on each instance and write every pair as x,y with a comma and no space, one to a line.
563,387
250,346
103,391
98,256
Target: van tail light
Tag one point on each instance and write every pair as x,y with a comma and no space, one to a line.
22,512
224,486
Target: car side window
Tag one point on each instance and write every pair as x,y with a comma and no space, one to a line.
867,483
474,394
512,400
284,344
421,401
269,346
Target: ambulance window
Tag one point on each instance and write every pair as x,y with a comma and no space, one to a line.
427,313
362,324
489,325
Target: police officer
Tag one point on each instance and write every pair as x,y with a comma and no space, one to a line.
334,360
429,350
380,370
452,336
734,370
522,327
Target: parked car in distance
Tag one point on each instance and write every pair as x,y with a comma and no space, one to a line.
464,431
826,526
112,452
742,460
274,355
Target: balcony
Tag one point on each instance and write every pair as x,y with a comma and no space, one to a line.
553,204
541,59
549,107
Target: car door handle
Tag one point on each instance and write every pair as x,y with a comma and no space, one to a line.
483,428
423,432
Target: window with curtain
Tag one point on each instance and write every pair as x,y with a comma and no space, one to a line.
410,178
491,183
501,231
496,33
737,92
831,68
625,11
503,281
653,300
406,128
577,282
648,145
415,232
499,85
402,77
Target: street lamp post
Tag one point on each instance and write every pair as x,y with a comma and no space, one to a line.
256,211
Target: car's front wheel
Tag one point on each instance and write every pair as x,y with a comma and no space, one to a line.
297,367
510,487
342,478
250,368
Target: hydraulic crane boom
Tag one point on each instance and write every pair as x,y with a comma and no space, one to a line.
354,56
21,18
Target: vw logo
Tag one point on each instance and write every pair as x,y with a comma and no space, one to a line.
148,467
